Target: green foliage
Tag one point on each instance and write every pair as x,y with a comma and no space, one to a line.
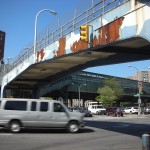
110,92
115,86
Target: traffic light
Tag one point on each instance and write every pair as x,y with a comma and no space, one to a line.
140,90
84,33
140,87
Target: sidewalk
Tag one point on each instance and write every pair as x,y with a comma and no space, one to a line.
136,116
126,116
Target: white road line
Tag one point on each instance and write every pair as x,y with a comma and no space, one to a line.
5,134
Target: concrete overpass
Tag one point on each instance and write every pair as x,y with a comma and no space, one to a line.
120,33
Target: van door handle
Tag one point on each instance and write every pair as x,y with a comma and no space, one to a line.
38,116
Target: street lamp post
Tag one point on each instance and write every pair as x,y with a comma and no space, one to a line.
139,96
79,87
35,28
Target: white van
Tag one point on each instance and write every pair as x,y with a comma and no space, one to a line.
16,114
97,109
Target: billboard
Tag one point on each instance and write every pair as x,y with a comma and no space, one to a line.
2,43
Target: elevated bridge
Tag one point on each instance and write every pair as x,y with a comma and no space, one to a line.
120,33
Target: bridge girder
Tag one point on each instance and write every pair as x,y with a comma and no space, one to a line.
133,49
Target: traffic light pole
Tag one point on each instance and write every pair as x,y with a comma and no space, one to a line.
139,90
139,104
139,98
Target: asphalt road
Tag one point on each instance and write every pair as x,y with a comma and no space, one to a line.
100,133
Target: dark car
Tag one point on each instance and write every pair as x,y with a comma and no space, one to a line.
83,110
114,111
86,112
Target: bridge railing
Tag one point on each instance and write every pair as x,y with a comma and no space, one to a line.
48,37
100,8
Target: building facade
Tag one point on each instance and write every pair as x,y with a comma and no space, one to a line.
143,76
2,43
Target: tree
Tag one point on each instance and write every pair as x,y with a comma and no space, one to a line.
110,92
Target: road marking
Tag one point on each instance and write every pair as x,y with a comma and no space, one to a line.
5,134
122,125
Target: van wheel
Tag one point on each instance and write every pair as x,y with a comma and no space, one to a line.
73,127
15,127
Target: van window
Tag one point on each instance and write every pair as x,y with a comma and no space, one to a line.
33,106
44,106
58,108
0,104
16,105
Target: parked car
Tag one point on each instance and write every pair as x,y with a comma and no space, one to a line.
131,110
82,110
147,110
74,109
97,109
114,111
87,113
16,114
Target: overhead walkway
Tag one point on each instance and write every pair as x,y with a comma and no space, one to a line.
114,39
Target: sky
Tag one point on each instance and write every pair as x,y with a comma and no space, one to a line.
17,18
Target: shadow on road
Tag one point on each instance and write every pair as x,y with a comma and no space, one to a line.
48,131
121,127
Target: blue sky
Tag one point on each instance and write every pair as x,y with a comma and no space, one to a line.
17,19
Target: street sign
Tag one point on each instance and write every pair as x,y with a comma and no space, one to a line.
139,101
136,95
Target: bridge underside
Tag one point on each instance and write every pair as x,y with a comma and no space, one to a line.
42,73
